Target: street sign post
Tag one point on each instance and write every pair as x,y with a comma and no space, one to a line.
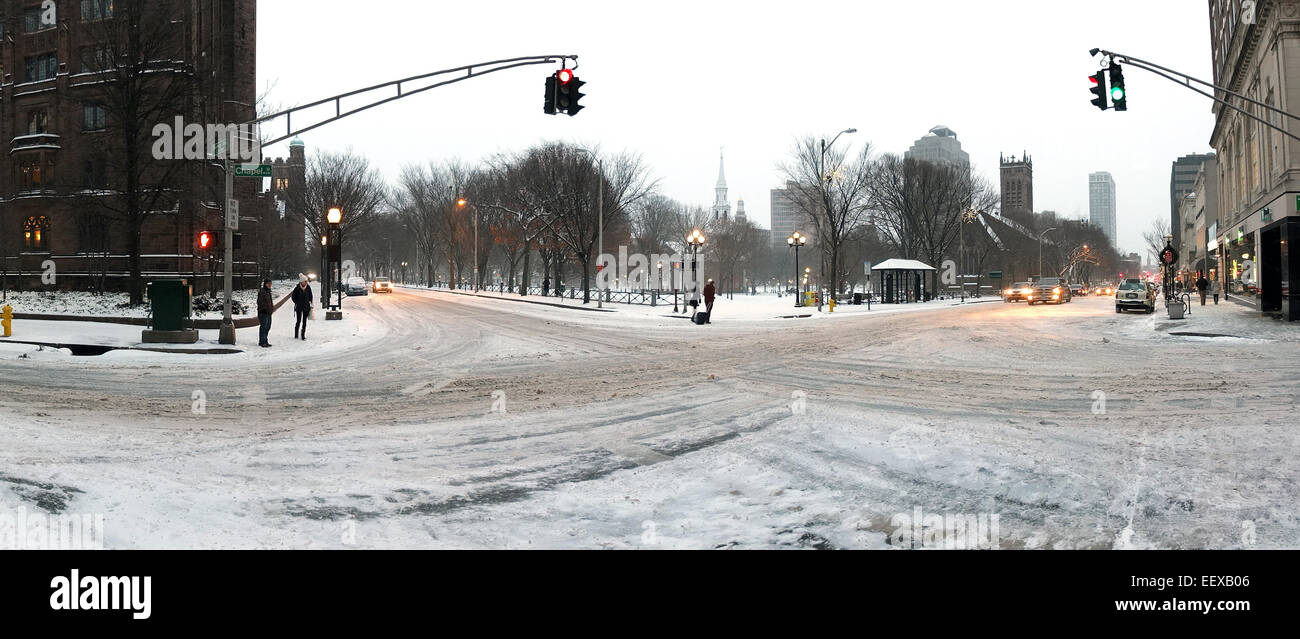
232,215
253,170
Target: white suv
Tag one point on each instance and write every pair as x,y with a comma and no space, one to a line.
1134,293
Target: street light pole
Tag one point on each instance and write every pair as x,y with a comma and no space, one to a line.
826,198
1040,251
797,240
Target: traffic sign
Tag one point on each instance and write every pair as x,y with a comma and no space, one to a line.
232,215
995,275
253,170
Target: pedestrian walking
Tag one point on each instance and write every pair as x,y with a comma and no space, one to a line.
265,307
1216,289
302,300
710,291
1202,287
546,287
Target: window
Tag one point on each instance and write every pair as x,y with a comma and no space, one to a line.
38,121
282,184
32,20
92,174
41,67
36,233
96,9
92,117
95,59
35,175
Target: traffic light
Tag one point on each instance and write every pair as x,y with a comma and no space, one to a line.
548,106
1098,90
1117,93
574,87
206,241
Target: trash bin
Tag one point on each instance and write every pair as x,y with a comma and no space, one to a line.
171,304
857,299
1176,310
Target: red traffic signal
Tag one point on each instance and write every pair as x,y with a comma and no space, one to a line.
206,240
564,76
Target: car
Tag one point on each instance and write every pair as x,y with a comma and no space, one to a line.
1079,289
1017,292
383,285
1049,289
1105,288
356,286
1133,294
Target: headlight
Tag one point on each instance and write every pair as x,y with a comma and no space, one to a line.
1025,291
1057,291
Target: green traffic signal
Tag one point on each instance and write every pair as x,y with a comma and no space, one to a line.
1117,93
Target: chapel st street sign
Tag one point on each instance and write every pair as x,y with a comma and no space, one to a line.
253,170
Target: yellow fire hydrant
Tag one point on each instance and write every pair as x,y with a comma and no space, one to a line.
7,320
832,303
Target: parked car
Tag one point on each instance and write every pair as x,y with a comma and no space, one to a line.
383,285
1049,289
1018,292
1134,293
357,286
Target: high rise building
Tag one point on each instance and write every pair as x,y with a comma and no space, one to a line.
721,206
785,218
1017,177
1101,204
1182,177
940,147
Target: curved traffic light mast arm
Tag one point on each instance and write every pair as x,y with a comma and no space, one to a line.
468,71
1187,80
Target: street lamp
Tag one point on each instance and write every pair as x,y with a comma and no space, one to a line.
826,196
695,240
797,240
335,219
1040,251
966,217
325,272
460,203
403,271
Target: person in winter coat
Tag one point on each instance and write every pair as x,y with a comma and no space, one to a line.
1216,289
302,300
265,307
546,287
710,291
1202,287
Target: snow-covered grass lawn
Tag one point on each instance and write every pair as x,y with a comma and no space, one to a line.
117,304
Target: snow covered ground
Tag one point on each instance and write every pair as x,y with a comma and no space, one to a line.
116,304
428,419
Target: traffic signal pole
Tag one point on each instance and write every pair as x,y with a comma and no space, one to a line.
227,335
1187,80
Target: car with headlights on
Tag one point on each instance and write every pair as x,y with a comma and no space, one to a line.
1049,290
1105,288
1017,292
383,285
1135,294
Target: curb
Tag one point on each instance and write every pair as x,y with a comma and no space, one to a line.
509,299
200,324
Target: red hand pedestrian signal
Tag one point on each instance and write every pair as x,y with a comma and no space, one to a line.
206,240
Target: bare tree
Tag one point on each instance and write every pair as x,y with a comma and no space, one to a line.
832,191
345,180
1154,237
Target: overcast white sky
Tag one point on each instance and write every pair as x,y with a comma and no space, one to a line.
1006,75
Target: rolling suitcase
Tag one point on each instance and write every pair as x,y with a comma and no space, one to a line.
701,317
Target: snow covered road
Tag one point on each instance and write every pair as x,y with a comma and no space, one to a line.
429,419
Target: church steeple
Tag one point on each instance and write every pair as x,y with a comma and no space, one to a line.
721,207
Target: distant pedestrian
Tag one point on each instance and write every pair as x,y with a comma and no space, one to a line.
265,307
302,301
1216,289
710,291
1202,287
546,286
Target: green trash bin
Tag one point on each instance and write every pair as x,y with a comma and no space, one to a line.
171,304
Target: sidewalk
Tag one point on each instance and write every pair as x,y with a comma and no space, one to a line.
1227,319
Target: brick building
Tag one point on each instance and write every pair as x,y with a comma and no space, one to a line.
70,192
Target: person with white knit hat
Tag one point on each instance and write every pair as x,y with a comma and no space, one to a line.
302,300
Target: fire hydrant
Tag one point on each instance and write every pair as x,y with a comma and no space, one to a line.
831,301
7,320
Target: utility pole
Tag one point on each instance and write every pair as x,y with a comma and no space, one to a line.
227,335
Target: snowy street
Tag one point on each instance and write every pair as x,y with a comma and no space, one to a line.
434,420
